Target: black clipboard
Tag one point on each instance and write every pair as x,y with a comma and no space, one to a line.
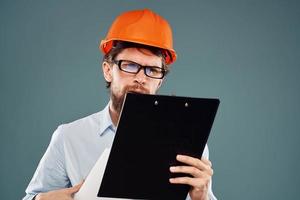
152,130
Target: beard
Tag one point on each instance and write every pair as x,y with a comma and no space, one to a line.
117,98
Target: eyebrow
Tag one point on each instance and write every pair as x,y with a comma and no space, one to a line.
141,64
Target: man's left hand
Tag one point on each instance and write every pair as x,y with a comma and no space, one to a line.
201,172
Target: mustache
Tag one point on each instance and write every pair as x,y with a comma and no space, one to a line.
137,88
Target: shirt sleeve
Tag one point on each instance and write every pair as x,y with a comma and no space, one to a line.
210,192
50,173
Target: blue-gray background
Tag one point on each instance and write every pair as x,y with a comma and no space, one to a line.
244,52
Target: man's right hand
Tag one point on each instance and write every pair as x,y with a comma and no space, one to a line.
62,194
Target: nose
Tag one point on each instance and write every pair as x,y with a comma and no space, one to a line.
140,77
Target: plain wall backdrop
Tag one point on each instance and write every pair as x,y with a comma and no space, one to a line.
244,52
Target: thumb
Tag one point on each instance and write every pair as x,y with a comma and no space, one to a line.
75,188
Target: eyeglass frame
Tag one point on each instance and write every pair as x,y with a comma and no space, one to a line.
119,62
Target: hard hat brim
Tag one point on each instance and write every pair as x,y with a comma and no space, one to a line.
106,45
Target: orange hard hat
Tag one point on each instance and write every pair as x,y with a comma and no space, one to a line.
143,27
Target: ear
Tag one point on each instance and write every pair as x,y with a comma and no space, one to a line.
107,71
160,83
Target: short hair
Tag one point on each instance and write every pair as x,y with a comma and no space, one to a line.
119,46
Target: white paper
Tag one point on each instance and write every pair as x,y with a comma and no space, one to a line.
89,189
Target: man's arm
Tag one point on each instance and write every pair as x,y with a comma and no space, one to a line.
50,173
61,194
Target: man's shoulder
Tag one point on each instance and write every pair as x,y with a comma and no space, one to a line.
81,126
87,120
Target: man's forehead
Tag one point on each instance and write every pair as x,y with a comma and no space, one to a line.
141,56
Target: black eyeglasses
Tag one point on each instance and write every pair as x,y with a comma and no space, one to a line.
134,68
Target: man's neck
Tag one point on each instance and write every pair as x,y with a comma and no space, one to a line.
114,115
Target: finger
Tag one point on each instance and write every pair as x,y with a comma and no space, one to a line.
196,183
206,161
181,180
75,188
193,162
195,172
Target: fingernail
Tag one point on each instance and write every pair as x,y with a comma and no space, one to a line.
172,169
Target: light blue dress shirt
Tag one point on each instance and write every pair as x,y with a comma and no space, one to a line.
74,149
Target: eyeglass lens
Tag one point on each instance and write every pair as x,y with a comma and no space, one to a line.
132,67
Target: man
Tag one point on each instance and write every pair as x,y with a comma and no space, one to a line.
138,50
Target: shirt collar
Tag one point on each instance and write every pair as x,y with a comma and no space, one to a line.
105,121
